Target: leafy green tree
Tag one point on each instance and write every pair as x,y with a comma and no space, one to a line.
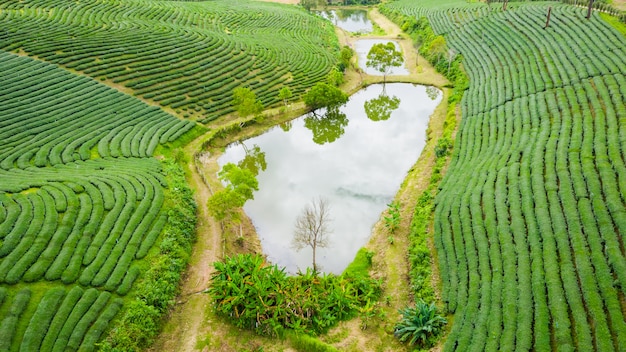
345,55
245,102
308,4
240,186
285,94
324,95
379,109
335,77
438,47
328,127
382,57
419,325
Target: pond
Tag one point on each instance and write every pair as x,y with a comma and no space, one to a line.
363,46
351,20
355,158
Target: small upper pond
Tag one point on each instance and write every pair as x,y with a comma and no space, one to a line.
363,46
356,158
351,20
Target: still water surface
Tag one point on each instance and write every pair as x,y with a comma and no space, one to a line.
355,158
351,20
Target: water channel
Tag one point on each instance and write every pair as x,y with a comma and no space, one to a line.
356,158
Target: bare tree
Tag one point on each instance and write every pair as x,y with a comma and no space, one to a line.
312,227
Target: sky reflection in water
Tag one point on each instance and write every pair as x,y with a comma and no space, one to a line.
359,172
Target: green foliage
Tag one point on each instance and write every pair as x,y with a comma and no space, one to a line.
245,102
335,77
420,325
307,343
383,56
442,147
361,264
392,220
261,297
285,94
240,186
328,127
324,95
345,55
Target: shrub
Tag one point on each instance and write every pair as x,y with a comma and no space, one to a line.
419,325
254,295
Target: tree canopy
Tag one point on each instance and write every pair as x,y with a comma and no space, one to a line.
324,95
285,94
382,57
245,102
240,186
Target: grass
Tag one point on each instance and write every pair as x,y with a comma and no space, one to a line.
615,22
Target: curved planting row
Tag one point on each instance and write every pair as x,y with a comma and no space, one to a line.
50,117
188,56
81,204
531,247
63,319
82,222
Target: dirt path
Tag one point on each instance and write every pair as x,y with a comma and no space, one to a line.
185,322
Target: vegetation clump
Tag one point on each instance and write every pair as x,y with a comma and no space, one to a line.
261,297
420,325
383,56
324,95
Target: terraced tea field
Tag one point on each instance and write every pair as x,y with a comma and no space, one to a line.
80,203
92,228
531,246
188,56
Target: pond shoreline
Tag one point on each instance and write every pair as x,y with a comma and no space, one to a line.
192,322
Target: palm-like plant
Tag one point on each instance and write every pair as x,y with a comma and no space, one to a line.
419,324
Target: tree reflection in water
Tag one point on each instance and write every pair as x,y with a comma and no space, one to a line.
380,109
328,127
432,92
254,159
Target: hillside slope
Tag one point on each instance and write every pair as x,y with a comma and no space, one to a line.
531,218
187,56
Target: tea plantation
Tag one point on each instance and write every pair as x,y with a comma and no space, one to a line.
92,227
185,55
531,216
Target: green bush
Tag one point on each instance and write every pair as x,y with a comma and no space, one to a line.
261,297
420,325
